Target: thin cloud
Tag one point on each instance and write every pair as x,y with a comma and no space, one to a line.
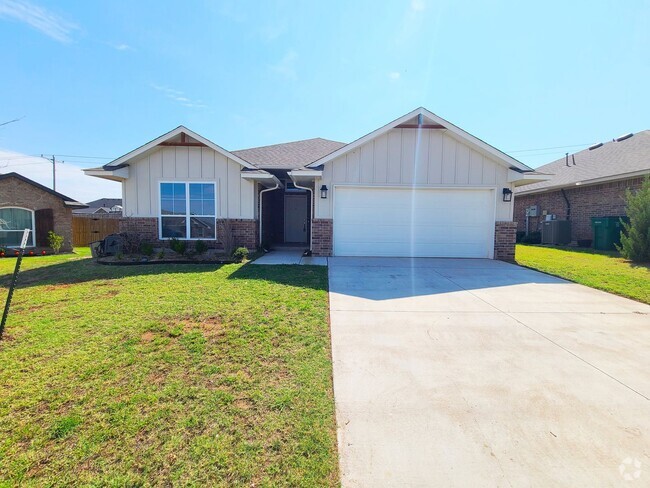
38,18
121,47
394,75
286,67
178,96
418,5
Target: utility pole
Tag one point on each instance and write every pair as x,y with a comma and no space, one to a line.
53,161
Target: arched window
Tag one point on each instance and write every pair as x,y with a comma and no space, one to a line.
13,221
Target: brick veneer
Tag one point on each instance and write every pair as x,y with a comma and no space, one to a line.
606,199
17,193
505,236
321,232
244,230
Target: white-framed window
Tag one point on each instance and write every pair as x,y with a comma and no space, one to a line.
188,210
13,221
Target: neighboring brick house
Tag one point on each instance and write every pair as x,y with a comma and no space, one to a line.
27,204
590,183
418,186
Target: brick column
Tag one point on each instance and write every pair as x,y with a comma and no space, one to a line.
245,233
321,236
505,237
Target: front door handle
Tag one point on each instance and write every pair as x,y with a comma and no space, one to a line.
304,226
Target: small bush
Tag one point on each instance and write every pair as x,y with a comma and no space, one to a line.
178,246
146,248
161,254
240,254
532,238
200,247
520,235
55,241
635,238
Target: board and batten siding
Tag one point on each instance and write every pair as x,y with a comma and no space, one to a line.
426,158
235,196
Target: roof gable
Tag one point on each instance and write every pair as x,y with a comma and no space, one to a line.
68,202
178,136
423,118
610,161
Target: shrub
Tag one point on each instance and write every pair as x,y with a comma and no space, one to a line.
240,254
55,241
532,238
200,247
146,248
178,246
131,242
635,238
520,235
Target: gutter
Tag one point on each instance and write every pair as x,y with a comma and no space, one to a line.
277,185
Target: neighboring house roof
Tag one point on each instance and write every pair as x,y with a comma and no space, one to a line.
104,203
68,202
421,117
290,155
179,131
613,160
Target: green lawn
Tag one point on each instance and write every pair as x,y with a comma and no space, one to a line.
193,375
603,270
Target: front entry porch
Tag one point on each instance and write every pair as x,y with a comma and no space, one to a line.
286,216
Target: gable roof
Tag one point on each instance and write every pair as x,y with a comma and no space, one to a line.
67,201
290,155
152,145
430,120
611,161
105,202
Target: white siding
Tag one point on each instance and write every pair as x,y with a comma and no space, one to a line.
235,196
406,157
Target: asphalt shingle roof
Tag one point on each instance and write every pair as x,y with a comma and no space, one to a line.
612,159
290,155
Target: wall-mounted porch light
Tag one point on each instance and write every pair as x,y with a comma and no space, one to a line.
507,195
323,191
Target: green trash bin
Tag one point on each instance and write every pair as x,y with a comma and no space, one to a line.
607,232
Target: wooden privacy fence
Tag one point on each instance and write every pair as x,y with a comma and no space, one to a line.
89,228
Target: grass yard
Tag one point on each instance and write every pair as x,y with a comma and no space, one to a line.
597,269
192,375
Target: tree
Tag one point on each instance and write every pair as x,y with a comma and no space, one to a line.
635,239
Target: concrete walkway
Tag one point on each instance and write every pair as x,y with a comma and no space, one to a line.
451,372
290,256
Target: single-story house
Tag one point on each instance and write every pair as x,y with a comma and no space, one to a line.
418,186
25,204
590,183
101,206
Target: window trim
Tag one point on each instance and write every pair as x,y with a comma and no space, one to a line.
33,229
187,214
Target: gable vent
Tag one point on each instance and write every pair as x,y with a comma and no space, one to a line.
623,137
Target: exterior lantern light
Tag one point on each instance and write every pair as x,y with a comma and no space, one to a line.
507,195
323,191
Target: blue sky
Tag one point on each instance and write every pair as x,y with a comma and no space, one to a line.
101,78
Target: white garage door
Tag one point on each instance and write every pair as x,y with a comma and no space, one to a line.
413,222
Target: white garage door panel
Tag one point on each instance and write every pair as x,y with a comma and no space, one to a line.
413,222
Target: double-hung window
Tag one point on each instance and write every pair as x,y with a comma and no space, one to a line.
188,210
13,221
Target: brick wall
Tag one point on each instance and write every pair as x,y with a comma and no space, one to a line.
606,199
322,230
244,230
505,234
17,193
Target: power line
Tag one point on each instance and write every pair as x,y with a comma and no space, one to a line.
547,148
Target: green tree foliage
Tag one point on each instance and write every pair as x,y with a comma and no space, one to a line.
55,241
635,240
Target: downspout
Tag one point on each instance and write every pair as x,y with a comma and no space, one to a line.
311,209
568,204
277,185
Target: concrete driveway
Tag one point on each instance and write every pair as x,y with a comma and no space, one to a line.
451,372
